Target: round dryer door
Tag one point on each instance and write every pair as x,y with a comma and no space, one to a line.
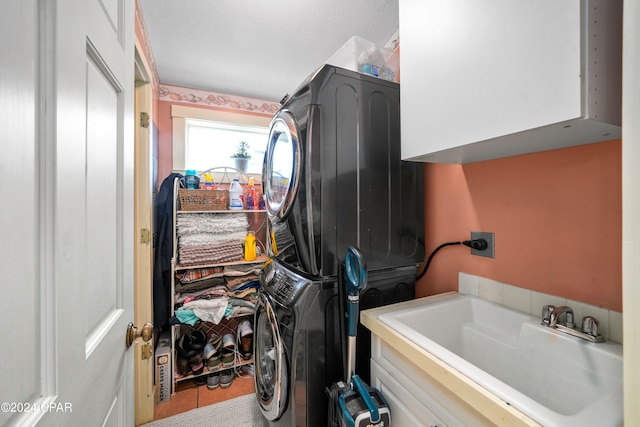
282,165
270,364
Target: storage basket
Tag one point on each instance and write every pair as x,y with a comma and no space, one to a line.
203,200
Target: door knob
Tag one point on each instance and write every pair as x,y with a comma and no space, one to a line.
132,333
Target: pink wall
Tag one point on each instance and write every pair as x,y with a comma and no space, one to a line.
165,138
556,215
145,50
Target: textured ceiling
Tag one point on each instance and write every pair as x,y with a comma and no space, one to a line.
256,48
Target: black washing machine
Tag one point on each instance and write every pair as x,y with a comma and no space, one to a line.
332,178
297,340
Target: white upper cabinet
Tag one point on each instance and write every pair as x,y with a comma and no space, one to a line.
483,79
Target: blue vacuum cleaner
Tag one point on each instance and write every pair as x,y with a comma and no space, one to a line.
357,404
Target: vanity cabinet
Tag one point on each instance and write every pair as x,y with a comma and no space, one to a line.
496,78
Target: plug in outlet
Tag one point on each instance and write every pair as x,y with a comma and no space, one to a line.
491,244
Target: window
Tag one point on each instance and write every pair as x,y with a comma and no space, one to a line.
210,144
204,138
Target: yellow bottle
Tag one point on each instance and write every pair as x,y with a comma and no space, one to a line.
250,247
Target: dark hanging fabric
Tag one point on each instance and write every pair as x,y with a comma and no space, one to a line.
163,251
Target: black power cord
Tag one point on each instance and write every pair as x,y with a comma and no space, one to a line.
479,244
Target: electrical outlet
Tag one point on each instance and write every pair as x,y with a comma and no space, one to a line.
491,244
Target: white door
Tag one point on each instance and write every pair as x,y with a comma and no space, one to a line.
66,180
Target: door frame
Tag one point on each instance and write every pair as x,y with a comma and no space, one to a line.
144,389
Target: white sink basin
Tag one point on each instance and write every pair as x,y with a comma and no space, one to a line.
554,378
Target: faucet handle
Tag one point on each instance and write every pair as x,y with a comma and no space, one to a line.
569,320
546,313
590,325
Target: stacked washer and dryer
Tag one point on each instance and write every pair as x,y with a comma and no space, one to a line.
332,178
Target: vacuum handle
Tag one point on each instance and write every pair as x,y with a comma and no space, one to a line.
366,398
352,315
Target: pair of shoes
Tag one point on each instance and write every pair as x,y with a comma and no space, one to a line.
226,378
189,349
213,381
245,332
211,353
228,350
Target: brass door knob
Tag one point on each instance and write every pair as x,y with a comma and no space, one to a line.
132,333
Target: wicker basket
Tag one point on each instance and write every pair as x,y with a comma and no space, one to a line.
203,200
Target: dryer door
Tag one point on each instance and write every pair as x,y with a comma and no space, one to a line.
271,375
282,165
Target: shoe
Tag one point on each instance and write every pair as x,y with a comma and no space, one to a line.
249,369
214,362
185,352
211,348
198,339
245,332
197,364
213,381
226,378
183,366
202,380
211,352
228,350
185,347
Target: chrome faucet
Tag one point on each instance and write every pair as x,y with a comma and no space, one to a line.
554,316
551,318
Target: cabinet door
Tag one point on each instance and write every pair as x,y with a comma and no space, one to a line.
477,76
406,409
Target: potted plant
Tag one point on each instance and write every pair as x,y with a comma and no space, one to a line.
242,156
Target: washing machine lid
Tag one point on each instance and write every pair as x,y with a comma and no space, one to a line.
282,165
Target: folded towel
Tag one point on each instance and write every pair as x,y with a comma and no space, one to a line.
213,223
209,254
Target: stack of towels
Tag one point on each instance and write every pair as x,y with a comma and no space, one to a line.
210,238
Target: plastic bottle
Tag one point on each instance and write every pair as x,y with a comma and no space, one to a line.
250,247
207,181
191,180
235,195
249,201
251,195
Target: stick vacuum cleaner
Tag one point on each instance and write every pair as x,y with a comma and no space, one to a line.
357,405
